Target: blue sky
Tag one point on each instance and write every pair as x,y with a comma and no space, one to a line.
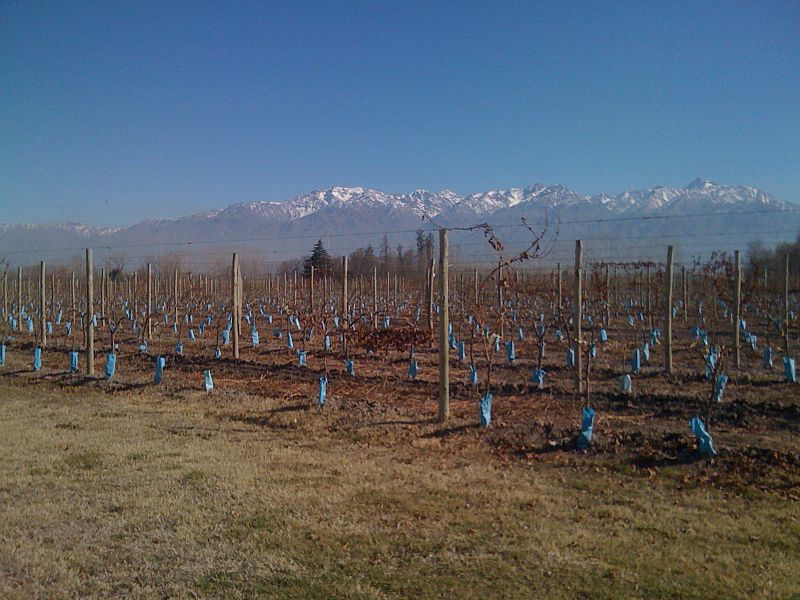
118,111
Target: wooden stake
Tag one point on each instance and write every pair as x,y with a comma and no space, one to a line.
42,305
500,303
475,284
558,283
345,310
786,307
444,319
149,307
668,311
235,300
89,313
578,314
685,295
311,290
737,307
102,296
374,297
73,304
19,298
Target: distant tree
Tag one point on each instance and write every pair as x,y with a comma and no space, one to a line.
424,248
363,260
761,260
319,259
116,265
386,253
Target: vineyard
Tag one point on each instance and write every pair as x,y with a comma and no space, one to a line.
639,365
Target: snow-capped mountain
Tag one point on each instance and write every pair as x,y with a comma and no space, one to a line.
288,228
420,202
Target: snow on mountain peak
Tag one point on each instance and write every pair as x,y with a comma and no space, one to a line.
700,184
699,194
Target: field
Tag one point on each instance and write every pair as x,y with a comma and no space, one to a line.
126,488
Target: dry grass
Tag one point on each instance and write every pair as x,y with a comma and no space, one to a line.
152,494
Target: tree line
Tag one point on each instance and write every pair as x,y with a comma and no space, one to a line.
363,260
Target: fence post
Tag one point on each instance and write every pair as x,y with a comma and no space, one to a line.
72,296
786,307
685,295
42,305
175,295
668,313
475,283
19,298
5,295
578,315
500,303
396,305
444,318
558,283
649,303
345,309
149,307
102,296
608,298
235,303
737,308
89,313
374,297
430,294
311,290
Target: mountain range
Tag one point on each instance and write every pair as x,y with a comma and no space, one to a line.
698,218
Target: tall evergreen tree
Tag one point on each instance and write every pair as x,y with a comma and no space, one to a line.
319,259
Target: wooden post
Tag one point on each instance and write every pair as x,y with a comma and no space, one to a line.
5,294
235,300
608,297
475,284
42,305
668,312
102,295
149,307
500,303
558,283
430,294
89,313
175,295
648,304
294,292
685,295
786,307
19,298
74,306
135,294
344,317
578,314
444,318
374,297
737,308
311,291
